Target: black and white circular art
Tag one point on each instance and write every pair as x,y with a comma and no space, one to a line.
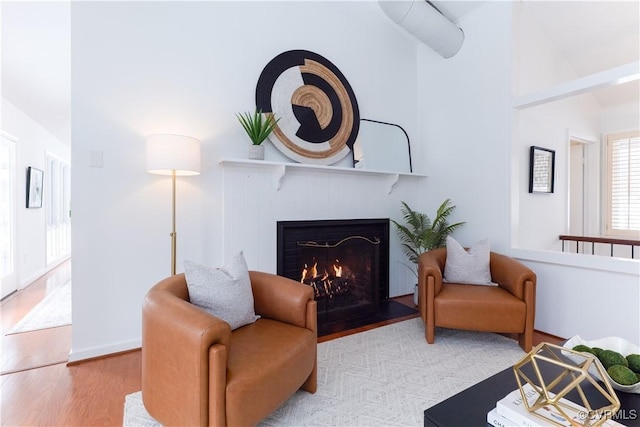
316,107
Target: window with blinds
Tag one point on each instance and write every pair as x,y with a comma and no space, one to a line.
623,185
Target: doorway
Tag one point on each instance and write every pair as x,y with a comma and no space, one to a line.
578,211
8,276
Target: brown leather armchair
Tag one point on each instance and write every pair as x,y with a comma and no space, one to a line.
197,372
506,308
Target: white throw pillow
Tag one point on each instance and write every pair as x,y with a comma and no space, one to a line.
224,292
469,267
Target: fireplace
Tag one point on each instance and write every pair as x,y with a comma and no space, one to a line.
345,262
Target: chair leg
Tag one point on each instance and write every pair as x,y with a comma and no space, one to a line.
426,300
429,332
311,384
526,340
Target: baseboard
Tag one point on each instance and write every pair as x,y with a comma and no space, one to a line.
31,279
549,337
92,353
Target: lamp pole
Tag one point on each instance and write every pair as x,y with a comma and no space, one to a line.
174,155
173,222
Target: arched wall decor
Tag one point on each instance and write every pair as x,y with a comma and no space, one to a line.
316,107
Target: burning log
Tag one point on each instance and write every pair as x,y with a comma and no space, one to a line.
325,285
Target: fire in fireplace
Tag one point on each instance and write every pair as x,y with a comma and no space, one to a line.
330,282
344,261
330,277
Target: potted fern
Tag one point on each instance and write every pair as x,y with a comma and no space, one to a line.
419,234
258,126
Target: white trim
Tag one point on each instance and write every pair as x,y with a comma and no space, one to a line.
9,281
607,228
280,170
7,135
92,353
587,192
31,279
615,76
589,262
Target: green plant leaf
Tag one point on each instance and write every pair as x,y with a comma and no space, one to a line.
418,234
257,125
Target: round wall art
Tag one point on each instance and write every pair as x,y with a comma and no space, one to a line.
316,107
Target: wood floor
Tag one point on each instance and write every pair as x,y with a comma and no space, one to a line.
40,389
24,351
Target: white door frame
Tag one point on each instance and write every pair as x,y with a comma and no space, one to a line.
9,282
587,194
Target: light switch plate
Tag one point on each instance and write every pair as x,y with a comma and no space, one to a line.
96,159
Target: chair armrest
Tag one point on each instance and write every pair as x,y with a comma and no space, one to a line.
431,264
512,275
176,341
430,268
279,298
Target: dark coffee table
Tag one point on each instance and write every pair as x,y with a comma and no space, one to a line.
470,406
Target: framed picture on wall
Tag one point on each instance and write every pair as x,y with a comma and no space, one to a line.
542,162
34,187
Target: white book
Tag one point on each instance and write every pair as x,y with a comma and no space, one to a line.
497,420
512,408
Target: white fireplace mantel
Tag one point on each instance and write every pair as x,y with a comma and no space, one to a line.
279,170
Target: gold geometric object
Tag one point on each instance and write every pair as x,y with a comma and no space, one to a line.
566,376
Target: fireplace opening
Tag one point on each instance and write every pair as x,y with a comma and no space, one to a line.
345,262
343,275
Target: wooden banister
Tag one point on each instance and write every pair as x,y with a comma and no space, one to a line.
606,240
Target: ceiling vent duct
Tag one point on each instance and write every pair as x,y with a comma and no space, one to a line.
426,23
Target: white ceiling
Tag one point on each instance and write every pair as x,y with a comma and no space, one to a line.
593,36
36,62
36,46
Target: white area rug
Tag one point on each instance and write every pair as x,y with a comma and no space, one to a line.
383,377
53,311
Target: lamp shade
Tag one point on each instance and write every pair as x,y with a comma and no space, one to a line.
167,153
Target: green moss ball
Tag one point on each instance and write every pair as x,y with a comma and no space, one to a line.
610,358
622,375
583,348
634,362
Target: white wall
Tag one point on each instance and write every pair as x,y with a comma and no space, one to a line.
34,142
543,217
616,119
187,67
591,296
464,107
538,65
473,158
252,206
150,67
620,118
588,295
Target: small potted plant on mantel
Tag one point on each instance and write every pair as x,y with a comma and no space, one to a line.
258,126
419,234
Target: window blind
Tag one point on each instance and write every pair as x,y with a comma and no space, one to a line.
624,184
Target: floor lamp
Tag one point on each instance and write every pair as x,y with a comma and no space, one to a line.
174,155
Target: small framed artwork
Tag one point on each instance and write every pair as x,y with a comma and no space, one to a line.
542,162
34,187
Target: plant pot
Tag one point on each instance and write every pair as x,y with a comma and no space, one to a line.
256,152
